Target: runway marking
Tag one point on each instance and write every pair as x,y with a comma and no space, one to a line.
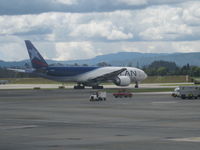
120,135
169,102
153,93
74,139
19,127
190,139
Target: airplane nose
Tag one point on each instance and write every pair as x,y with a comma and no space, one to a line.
145,75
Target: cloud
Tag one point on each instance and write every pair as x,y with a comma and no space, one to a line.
148,47
166,32
169,23
66,2
89,50
74,50
161,26
25,24
19,7
15,51
12,52
157,23
133,2
191,14
102,29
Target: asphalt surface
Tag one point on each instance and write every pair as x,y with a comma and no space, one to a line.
66,119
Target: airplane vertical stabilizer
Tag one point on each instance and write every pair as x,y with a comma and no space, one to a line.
37,60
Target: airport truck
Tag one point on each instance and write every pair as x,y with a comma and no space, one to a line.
187,92
122,93
3,81
98,96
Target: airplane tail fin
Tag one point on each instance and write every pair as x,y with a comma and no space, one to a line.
37,60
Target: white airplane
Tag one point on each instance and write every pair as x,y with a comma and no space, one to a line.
83,76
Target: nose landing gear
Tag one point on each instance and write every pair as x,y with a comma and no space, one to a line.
136,85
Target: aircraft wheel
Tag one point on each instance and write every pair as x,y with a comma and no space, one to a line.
97,87
79,87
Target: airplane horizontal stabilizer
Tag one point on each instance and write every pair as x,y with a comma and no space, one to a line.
22,70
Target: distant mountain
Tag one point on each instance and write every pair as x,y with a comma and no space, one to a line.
13,63
124,59
141,59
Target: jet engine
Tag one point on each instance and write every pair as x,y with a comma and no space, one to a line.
122,81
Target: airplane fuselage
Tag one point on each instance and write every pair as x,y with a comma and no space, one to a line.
84,74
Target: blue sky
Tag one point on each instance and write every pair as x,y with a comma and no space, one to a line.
79,29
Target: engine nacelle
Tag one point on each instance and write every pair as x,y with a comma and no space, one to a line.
122,81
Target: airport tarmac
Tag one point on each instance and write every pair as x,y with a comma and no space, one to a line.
66,119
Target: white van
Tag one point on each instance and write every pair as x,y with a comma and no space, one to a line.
187,92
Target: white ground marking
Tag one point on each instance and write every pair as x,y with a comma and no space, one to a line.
190,139
18,127
169,102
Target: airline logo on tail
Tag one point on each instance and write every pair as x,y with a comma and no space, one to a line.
37,60
33,54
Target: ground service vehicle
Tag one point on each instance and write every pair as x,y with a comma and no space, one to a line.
122,93
98,96
176,92
187,92
3,81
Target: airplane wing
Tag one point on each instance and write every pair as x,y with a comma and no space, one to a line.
22,70
108,76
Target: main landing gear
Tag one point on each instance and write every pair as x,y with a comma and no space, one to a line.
97,87
79,86
82,86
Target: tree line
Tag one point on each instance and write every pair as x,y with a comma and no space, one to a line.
163,68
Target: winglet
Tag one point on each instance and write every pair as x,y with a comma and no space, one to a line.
37,60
